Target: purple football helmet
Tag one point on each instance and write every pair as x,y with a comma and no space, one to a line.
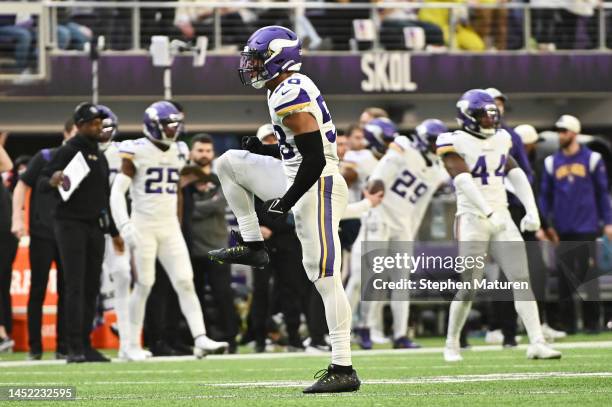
163,122
426,134
110,126
477,113
379,133
269,52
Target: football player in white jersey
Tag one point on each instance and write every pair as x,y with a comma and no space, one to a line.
316,192
358,163
410,174
477,157
150,170
116,265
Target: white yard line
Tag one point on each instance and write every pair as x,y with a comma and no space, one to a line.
299,383
357,353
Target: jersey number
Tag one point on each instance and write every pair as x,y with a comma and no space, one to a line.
480,169
403,184
331,134
156,184
286,150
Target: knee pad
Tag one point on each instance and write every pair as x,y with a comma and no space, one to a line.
224,163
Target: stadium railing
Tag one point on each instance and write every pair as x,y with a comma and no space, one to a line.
127,26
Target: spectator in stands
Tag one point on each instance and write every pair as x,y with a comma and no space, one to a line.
195,21
543,24
43,245
492,24
573,15
394,20
16,37
8,249
465,37
574,197
205,229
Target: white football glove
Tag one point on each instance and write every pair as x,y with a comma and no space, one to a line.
497,222
130,234
530,222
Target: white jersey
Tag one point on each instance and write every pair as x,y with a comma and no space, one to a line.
363,163
114,160
486,158
410,183
154,186
296,94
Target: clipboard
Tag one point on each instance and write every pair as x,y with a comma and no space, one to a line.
74,173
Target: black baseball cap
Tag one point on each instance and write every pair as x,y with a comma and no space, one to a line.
86,112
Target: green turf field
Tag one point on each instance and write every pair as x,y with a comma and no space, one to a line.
487,377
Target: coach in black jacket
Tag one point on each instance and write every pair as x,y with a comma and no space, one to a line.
80,224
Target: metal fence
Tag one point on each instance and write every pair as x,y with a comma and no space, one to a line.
127,26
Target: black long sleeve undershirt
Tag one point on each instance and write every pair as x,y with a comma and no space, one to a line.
310,147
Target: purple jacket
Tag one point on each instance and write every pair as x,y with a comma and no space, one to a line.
574,192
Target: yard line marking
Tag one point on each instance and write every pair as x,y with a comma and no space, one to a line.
356,353
299,383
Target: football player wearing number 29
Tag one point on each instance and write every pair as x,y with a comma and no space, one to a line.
477,157
150,169
317,194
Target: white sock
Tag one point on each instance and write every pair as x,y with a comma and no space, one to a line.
457,315
121,287
249,228
137,304
338,316
190,307
528,311
400,310
372,314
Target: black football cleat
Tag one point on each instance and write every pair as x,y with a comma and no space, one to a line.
242,253
333,380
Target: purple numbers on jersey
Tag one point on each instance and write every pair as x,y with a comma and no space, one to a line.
331,134
294,81
480,169
156,184
285,148
403,184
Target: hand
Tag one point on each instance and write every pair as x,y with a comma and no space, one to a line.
274,208
56,179
251,144
541,235
130,234
374,198
530,222
552,235
265,232
497,222
608,232
187,30
18,227
118,244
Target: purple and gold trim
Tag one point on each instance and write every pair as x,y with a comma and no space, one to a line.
326,237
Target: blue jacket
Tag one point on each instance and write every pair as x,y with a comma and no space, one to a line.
574,192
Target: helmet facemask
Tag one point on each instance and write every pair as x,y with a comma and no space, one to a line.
252,69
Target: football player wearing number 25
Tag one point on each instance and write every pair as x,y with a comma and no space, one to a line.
316,193
150,170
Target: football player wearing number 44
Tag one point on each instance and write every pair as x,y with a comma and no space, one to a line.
150,170
317,194
477,157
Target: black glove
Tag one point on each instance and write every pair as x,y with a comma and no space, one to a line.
274,208
252,144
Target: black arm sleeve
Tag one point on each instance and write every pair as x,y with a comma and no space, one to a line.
310,147
31,174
